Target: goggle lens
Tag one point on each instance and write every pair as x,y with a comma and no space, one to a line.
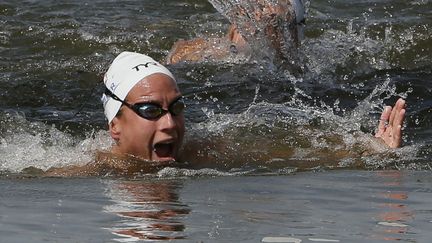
177,107
153,111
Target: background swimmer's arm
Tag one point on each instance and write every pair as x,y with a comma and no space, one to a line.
200,49
390,125
189,51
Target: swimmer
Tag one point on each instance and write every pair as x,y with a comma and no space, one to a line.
144,110
266,29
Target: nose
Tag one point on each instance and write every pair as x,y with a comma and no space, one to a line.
167,122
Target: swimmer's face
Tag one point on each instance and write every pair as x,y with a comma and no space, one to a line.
156,139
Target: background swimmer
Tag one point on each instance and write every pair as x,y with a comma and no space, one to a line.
259,29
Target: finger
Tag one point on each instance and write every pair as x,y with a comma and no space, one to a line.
399,105
397,129
392,115
397,138
383,121
399,118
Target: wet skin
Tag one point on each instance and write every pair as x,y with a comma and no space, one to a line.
156,140
390,125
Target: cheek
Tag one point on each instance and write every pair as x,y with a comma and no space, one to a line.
140,135
143,131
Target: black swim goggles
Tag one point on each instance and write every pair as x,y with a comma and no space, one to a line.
151,111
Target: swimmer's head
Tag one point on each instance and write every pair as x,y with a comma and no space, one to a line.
127,69
144,108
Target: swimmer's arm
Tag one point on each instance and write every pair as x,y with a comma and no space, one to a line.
72,171
390,125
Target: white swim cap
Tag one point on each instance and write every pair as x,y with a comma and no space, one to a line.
125,71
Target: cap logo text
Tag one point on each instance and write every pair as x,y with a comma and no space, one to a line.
145,65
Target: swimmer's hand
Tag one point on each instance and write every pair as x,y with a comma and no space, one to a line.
390,125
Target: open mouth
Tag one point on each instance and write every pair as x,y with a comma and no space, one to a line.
164,149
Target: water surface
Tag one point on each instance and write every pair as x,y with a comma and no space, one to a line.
335,206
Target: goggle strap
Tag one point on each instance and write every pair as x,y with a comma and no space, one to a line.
115,97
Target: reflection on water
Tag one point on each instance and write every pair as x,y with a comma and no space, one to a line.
147,210
333,206
338,206
395,219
